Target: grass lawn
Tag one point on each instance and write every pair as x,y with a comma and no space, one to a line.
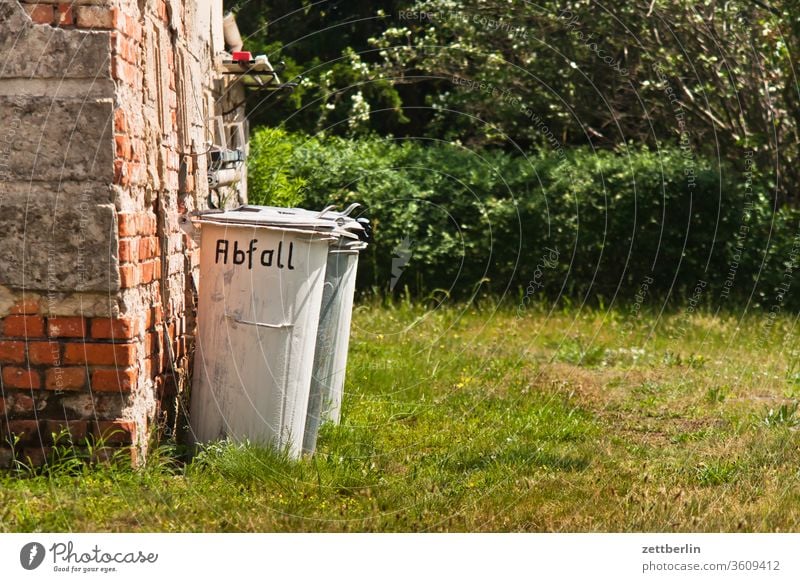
475,419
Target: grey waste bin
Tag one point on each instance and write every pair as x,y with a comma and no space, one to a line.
261,284
333,339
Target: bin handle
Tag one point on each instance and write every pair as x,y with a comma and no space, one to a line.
238,319
349,209
325,210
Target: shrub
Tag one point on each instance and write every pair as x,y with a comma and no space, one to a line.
592,225
270,181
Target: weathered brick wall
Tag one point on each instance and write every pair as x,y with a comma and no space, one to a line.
109,105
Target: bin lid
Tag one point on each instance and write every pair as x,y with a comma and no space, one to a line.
273,217
333,219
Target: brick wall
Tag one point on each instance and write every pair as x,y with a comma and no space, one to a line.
110,105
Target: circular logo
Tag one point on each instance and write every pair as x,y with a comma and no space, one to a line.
31,555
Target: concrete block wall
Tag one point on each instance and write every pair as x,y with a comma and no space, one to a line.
108,106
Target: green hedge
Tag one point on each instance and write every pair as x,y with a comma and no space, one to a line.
587,224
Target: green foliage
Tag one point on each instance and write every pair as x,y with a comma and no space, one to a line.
717,78
326,51
637,224
269,181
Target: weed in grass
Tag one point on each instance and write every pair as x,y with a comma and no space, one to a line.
693,361
691,436
624,357
573,351
696,361
792,385
784,415
717,394
716,472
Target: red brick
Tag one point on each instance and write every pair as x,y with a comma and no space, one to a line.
14,377
66,327
161,361
138,150
118,328
117,19
20,403
128,276
100,354
147,224
147,368
94,17
65,378
122,147
152,343
114,380
137,172
116,432
148,271
25,307
136,31
104,455
47,353
120,123
146,247
6,457
127,223
123,71
158,315
23,326
12,352
64,15
26,430
40,13
121,175
124,47
128,250
76,429
118,71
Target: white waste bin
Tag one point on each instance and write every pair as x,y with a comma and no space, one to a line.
261,283
333,333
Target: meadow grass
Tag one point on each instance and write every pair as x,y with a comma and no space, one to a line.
479,418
